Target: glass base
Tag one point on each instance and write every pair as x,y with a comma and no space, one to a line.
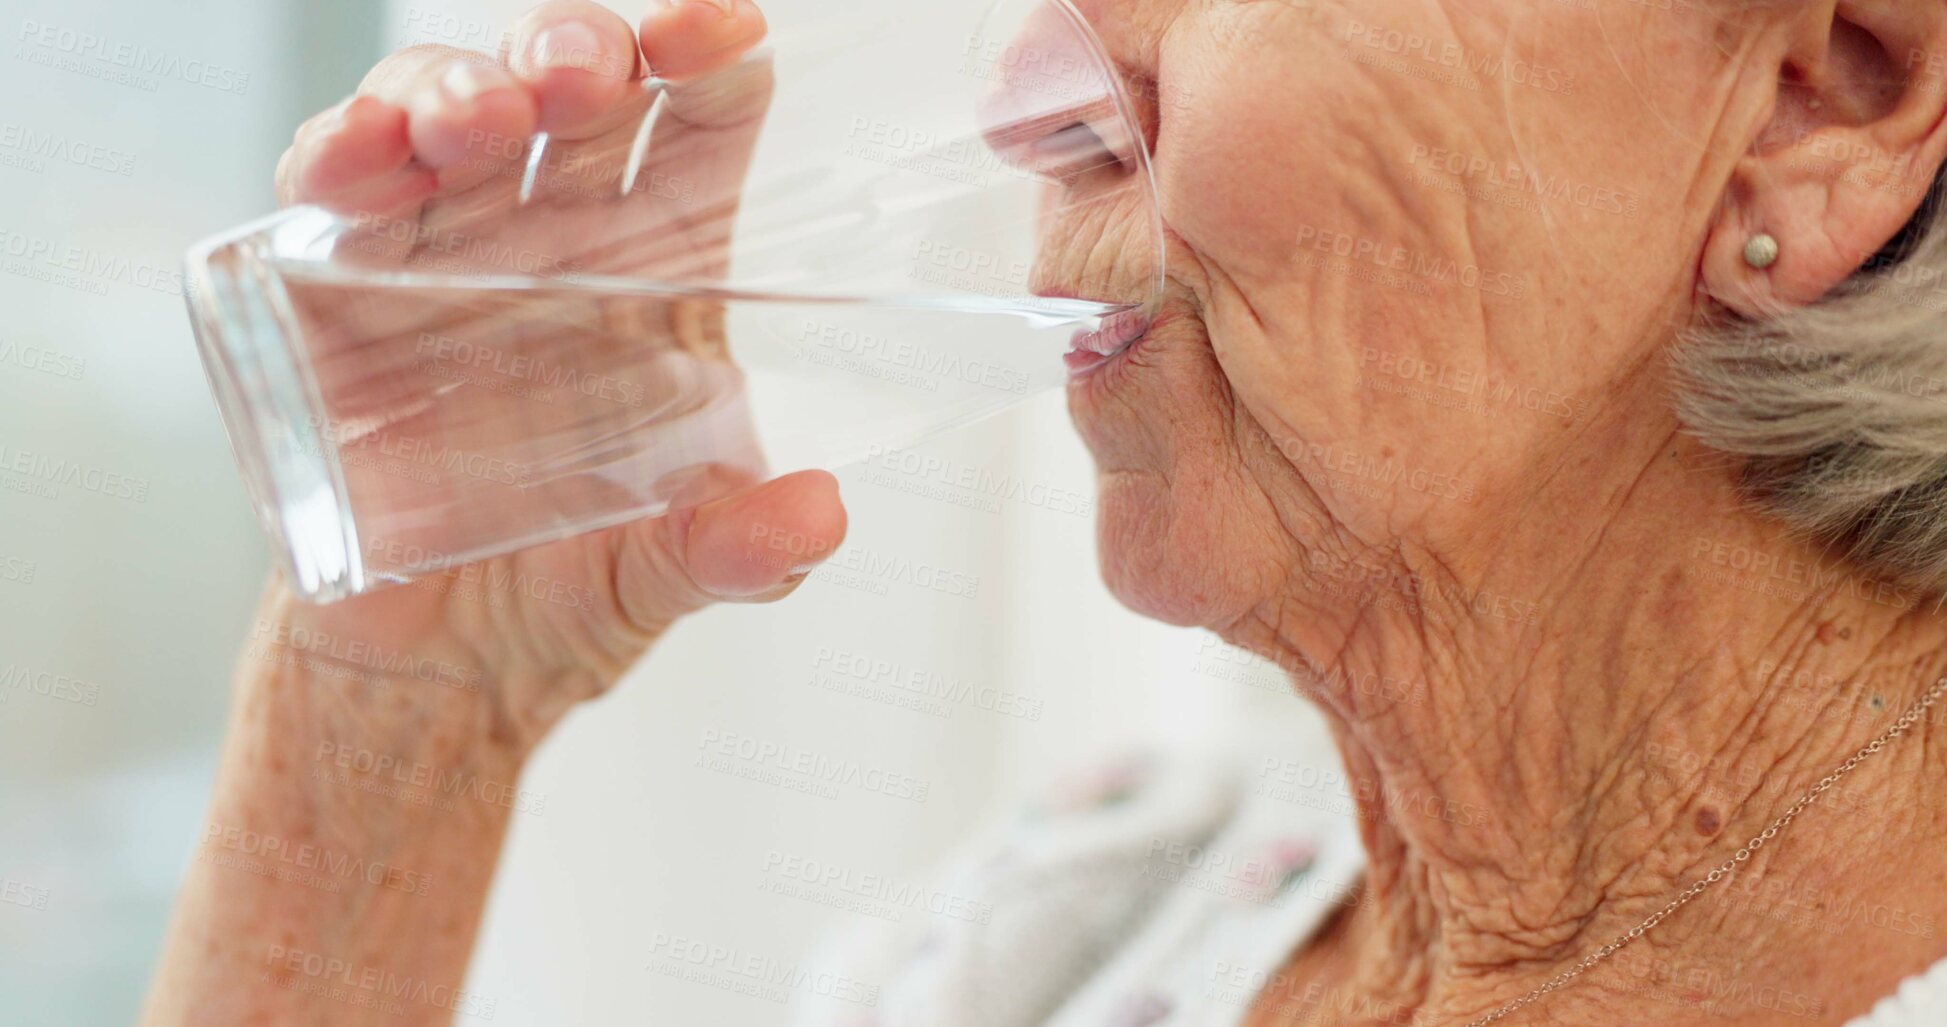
271,411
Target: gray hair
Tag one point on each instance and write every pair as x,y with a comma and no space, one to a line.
1839,409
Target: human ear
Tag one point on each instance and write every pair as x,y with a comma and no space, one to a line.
1856,135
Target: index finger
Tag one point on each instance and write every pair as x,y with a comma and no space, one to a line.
687,39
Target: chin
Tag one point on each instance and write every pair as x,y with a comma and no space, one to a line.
1165,554
1133,530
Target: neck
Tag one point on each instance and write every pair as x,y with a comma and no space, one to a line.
1607,705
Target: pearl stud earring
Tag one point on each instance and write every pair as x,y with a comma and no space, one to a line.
1761,252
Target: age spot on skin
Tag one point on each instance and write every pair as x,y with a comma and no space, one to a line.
1707,821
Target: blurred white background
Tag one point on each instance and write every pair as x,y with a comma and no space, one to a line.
135,128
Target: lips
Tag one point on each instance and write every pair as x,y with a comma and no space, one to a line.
1088,350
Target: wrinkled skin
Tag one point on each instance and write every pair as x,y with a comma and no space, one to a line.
1237,427
1402,417
1405,417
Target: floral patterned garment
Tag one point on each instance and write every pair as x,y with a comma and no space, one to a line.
1158,891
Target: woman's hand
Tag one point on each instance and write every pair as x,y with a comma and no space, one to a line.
430,150
370,767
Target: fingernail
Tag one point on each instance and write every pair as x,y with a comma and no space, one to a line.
792,582
465,81
360,106
571,44
724,7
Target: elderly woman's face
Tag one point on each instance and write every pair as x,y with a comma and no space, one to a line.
1413,245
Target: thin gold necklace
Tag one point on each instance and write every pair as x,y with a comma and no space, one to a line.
1907,720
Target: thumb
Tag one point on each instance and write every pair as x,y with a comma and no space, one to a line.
754,545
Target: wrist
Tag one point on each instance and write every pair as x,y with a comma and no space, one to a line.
374,749
479,681
341,872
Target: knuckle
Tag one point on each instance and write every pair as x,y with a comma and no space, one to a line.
608,25
554,10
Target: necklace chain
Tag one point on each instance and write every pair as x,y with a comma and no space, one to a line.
1724,869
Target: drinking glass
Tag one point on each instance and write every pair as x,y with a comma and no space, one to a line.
886,221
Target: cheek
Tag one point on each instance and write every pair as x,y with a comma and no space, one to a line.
1232,172
1275,125
1285,181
